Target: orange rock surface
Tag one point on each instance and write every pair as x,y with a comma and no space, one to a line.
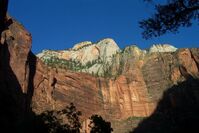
135,92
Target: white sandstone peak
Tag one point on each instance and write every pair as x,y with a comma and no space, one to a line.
85,52
81,45
107,47
107,41
162,48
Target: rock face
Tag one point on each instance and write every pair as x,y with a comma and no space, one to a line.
176,111
162,48
131,85
81,45
98,78
16,75
85,52
84,57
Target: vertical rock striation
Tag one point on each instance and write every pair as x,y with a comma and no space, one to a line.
102,79
133,85
15,78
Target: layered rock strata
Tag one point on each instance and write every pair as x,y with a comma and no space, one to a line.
130,84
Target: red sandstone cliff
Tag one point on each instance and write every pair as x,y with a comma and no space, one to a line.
16,75
134,92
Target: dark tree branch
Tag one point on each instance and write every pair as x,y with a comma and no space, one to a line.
169,17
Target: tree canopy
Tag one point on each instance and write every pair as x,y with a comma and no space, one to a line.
99,125
64,121
170,17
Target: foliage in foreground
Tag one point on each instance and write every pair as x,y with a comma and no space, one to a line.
99,125
64,121
170,17
68,121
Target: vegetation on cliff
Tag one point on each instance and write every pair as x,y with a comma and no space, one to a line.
68,120
99,125
64,121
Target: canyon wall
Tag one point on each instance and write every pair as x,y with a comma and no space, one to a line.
127,83
16,75
130,86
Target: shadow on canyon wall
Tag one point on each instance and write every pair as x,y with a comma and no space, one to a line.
3,11
177,111
15,106
16,91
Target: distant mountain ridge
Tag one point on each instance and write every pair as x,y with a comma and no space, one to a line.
96,58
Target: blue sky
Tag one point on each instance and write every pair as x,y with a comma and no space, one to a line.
59,24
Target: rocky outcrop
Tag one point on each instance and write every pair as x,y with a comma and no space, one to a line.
93,58
81,45
16,75
85,52
162,48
